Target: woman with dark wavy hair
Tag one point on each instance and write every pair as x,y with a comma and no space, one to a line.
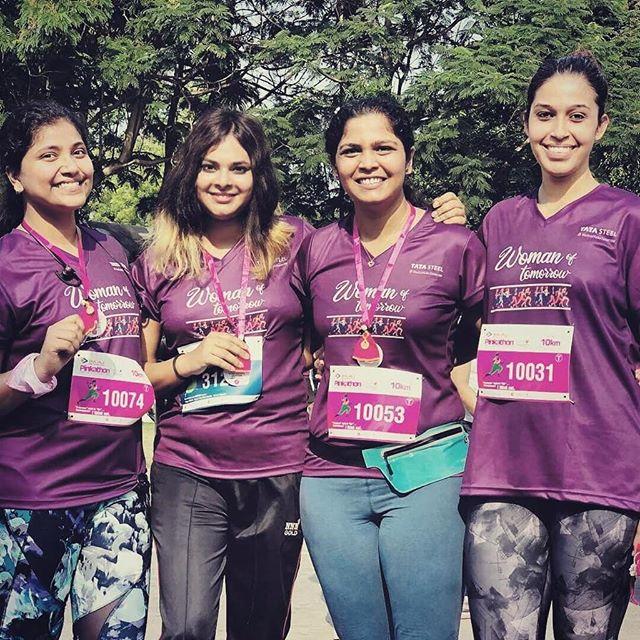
73,489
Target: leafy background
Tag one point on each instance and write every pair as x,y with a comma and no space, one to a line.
142,70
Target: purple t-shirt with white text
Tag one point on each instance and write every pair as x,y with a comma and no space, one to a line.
263,438
46,461
580,267
439,274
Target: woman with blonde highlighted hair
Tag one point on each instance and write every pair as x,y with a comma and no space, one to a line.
232,432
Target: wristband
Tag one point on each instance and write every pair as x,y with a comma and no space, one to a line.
24,378
175,369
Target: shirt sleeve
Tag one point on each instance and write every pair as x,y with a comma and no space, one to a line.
472,273
144,282
7,328
630,265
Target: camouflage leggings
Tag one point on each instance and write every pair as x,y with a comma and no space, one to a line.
521,555
100,554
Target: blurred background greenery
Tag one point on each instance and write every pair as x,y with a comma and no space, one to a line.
142,70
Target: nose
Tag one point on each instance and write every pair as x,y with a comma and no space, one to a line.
560,130
222,179
368,160
70,165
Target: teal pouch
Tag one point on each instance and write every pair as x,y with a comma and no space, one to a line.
438,453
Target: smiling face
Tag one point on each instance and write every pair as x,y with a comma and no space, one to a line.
563,125
225,182
371,162
56,173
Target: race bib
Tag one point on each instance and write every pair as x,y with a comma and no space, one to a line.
216,387
108,389
373,404
525,362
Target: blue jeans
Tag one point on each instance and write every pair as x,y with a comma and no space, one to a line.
390,565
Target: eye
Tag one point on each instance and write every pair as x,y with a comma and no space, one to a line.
48,155
543,115
241,170
207,167
80,152
385,148
349,152
578,117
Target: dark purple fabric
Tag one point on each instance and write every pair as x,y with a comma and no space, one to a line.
582,268
268,436
439,274
47,462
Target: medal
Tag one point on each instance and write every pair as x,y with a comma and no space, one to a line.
367,352
100,321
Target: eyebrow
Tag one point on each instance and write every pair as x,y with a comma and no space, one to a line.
55,147
574,106
377,142
236,163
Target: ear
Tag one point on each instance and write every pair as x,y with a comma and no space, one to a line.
15,182
408,167
602,126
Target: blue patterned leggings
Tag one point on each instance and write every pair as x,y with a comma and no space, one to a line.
521,555
100,554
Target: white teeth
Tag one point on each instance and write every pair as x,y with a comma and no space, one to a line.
369,180
67,185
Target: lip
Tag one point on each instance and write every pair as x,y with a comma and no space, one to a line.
559,151
376,182
70,186
222,198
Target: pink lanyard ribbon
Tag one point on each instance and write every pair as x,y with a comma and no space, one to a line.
368,312
241,323
81,268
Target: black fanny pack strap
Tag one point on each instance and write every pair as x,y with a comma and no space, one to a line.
347,456
352,456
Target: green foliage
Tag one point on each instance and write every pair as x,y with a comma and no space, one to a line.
142,70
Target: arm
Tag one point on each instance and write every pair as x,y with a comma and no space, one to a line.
460,378
216,350
61,343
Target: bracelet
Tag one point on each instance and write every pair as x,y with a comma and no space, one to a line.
175,369
23,378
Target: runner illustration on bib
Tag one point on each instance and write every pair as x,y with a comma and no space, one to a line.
368,402
216,387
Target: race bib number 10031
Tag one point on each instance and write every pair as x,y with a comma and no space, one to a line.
525,362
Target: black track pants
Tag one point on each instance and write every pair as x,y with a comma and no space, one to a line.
246,531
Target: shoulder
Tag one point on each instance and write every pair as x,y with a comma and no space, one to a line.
15,247
509,208
618,200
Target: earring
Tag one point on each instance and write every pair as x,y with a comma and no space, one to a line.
18,188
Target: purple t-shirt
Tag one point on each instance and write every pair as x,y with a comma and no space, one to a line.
46,461
266,437
581,267
438,275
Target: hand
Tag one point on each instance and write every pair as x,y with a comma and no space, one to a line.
318,363
61,343
636,553
448,208
221,350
